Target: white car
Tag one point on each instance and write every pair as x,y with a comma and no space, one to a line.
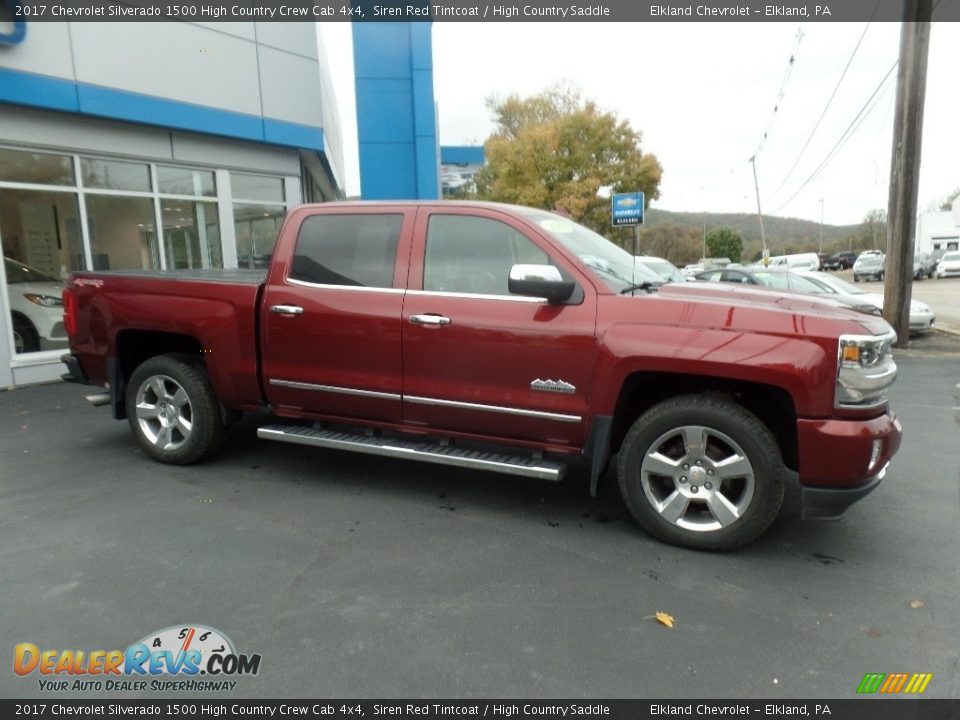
949,265
664,268
921,316
36,307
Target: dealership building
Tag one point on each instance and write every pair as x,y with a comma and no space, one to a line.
149,146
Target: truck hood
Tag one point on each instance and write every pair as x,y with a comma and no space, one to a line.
754,309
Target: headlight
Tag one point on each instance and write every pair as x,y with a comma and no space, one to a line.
865,370
45,300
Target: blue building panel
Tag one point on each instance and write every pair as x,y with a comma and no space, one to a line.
386,50
396,118
385,111
23,88
389,183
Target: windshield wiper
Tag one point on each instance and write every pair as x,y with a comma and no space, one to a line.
645,285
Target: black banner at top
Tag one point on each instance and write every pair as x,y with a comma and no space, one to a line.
470,11
506,709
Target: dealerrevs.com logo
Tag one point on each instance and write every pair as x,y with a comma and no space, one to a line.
182,658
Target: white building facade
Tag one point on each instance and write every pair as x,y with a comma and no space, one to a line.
149,146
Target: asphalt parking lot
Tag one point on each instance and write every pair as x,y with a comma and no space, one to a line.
355,576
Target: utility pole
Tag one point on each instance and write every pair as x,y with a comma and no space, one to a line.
756,186
905,166
821,225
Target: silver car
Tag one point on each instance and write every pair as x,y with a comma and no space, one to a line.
921,316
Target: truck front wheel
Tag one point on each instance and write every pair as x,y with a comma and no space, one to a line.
173,411
701,471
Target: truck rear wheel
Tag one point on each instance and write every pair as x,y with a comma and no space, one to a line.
701,471
173,411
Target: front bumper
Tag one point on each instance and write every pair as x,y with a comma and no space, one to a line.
922,321
831,503
843,460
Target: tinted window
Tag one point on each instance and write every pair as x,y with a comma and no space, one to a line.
357,250
474,255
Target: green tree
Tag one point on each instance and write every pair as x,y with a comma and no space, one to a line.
873,231
724,242
680,244
556,150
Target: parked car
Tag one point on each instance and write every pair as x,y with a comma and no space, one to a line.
778,278
869,266
842,260
36,307
949,265
921,316
664,268
923,266
507,339
690,271
796,261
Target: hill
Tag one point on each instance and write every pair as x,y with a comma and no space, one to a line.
799,235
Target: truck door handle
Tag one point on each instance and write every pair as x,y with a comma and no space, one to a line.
429,319
286,309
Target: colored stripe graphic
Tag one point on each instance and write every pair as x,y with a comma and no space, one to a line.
894,683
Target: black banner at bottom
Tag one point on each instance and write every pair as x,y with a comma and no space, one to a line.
848,709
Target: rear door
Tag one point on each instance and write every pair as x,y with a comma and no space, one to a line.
331,313
479,360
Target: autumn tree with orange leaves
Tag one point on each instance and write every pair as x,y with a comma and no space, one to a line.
557,150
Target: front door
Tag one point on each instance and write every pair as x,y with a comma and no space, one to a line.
479,360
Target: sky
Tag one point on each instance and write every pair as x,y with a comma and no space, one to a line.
704,95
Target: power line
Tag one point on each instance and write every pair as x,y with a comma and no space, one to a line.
847,134
782,92
830,100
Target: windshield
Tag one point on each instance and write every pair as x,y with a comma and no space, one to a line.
843,286
613,265
20,273
663,268
870,260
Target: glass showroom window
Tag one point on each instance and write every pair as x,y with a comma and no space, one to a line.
40,234
191,234
121,227
191,226
258,212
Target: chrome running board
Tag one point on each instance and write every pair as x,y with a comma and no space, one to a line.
415,450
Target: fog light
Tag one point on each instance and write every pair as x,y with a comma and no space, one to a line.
874,454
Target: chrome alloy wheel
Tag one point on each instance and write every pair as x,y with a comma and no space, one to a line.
164,412
697,478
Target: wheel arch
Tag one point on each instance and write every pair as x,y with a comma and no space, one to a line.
772,405
133,348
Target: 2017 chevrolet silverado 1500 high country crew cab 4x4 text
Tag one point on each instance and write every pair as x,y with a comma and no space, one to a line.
501,338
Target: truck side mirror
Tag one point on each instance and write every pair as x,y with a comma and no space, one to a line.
540,281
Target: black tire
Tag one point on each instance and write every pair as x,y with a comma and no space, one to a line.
695,490
25,336
856,279
172,410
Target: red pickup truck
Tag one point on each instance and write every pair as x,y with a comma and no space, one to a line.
508,339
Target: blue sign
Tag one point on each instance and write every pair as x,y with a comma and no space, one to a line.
626,209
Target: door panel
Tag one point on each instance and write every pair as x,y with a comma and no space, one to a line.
330,319
497,364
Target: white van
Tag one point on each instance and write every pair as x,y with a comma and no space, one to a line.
797,261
